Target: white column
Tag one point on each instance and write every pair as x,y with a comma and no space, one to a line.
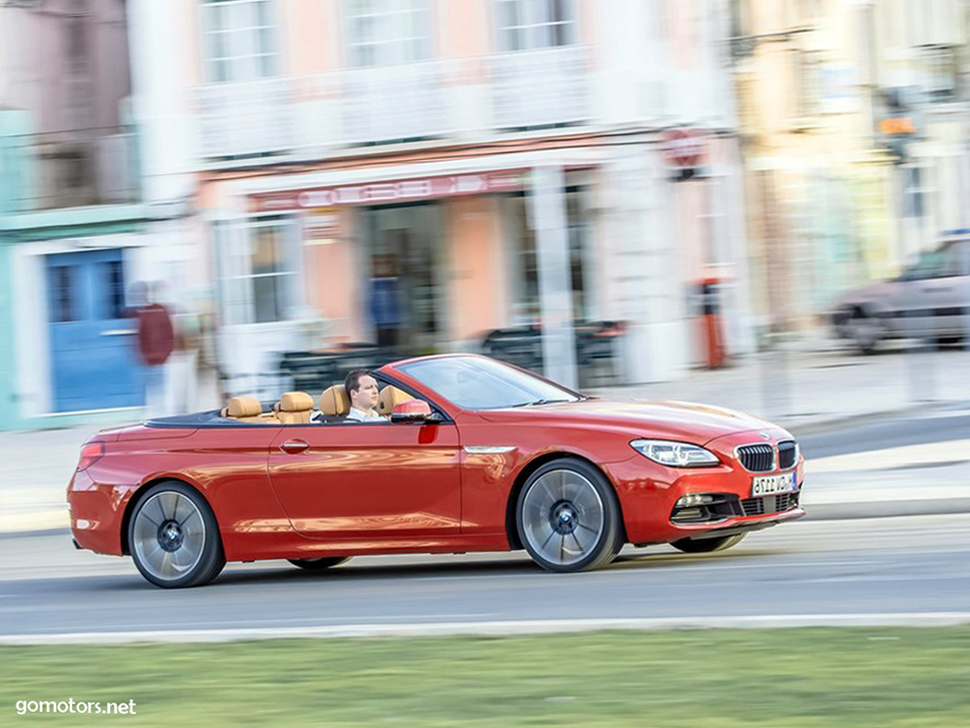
158,41
637,206
548,210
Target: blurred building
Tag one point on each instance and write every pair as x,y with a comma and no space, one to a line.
71,212
323,143
854,117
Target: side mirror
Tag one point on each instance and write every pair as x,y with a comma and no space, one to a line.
414,410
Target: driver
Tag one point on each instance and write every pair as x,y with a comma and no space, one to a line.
363,393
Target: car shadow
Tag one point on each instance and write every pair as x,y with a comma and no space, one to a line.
280,571
519,564
370,569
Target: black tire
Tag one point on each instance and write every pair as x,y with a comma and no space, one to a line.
866,332
174,519
582,517
708,545
942,342
320,564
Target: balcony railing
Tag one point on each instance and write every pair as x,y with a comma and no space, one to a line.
247,119
395,103
541,88
72,169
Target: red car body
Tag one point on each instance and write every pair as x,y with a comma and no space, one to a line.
418,487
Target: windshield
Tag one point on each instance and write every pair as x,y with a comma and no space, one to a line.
480,384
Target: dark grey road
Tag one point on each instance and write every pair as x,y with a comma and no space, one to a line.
907,564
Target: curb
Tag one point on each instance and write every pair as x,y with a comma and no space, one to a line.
842,422
886,509
504,629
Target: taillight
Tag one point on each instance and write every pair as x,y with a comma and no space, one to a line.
90,454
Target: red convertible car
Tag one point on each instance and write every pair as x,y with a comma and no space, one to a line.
475,455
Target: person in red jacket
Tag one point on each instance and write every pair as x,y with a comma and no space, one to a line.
156,340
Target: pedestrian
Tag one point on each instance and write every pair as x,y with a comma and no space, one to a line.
385,303
156,340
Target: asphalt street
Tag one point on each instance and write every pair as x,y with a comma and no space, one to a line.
873,566
912,564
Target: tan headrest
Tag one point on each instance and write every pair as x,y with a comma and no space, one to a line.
296,402
243,407
334,401
389,398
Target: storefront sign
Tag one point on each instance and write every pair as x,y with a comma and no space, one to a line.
897,125
321,225
377,193
685,148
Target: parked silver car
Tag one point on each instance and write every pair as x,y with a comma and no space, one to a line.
929,300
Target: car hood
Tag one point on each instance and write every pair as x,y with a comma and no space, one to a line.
696,423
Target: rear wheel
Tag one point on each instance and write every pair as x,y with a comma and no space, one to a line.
174,537
319,564
866,331
568,518
708,545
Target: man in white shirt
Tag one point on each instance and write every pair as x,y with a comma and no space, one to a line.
363,393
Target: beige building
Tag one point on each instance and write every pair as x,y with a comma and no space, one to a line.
306,141
831,91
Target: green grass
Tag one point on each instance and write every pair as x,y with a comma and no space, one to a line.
818,678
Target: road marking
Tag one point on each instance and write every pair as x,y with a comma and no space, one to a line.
504,628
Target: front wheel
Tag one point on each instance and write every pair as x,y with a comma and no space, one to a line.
174,537
320,564
568,518
707,545
866,331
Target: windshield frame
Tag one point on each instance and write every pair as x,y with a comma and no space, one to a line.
402,368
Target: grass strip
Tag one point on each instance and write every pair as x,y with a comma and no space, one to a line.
798,678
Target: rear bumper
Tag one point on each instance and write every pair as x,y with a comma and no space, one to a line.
97,512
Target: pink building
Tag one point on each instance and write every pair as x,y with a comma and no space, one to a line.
506,158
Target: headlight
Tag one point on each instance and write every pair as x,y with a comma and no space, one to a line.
675,454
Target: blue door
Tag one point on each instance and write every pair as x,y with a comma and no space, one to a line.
93,346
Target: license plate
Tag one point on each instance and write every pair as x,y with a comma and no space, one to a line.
772,484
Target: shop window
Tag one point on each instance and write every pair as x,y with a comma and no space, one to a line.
258,269
240,41
384,32
914,192
807,83
532,24
526,304
939,73
116,289
63,282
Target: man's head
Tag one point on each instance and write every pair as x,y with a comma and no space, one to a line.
362,390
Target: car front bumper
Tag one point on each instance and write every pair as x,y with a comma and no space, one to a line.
649,493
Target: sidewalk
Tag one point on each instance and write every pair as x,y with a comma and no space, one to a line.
802,389
817,384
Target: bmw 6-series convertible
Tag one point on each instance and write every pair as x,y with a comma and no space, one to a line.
474,455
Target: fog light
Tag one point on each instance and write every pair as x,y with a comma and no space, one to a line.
694,499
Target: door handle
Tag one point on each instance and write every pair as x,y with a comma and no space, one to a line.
294,447
119,332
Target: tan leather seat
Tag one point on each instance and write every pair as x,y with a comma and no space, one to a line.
334,401
248,409
389,398
294,408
